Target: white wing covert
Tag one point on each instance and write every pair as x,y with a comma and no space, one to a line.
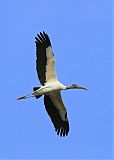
57,112
45,62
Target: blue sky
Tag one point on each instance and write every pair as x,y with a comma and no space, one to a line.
80,32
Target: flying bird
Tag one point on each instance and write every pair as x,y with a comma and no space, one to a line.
50,85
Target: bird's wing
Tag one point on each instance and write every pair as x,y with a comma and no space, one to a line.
45,62
57,112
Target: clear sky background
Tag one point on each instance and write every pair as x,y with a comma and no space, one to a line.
80,32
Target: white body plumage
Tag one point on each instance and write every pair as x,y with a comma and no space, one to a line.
49,88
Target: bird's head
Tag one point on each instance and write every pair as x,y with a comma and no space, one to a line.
75,86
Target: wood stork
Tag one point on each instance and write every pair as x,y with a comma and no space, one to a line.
50,86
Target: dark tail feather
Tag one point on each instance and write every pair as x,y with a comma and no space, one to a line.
34,89
38,96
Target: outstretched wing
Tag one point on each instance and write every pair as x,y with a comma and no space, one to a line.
57,112
45,62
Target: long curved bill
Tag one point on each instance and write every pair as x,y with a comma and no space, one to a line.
79,87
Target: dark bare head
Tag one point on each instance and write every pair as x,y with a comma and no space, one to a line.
75,86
